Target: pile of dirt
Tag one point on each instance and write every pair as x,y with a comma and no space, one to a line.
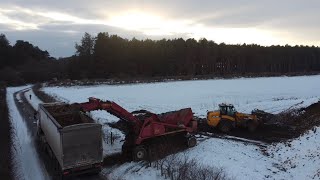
121,125
293,123
67,115
5,137
286,125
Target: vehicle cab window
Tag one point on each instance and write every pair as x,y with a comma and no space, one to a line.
223,110
231,111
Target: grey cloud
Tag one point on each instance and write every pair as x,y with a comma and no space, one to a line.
58,44
4,28
295,13
292,18
59,39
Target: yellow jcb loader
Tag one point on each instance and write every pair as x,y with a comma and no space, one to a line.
227,118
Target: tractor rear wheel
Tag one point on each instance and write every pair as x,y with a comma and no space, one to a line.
225,126
139,153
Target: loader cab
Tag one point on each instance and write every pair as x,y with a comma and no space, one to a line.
227,109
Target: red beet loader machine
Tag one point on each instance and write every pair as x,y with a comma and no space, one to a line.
144,126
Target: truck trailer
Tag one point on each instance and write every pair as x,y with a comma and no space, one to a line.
72,139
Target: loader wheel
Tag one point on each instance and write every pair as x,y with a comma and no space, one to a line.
225,126
192,141
252,126
139,153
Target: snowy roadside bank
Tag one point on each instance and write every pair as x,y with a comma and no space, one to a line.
25,158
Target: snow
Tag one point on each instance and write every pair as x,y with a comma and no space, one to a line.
18,97
34,101
299,159
102,117
240,160
25,159
237,159
243,161
273,94
133,171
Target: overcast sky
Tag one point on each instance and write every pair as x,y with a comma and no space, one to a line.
56,26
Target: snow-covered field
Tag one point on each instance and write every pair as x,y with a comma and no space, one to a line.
300,160
270,94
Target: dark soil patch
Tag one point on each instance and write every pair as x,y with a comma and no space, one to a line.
114,159
122,125
5,138
42,95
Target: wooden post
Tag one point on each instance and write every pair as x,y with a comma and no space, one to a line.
111,139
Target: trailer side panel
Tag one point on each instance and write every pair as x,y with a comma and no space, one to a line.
85,149
51,132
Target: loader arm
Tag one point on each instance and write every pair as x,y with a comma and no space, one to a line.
112,108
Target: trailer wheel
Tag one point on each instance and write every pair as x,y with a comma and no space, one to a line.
191,141
139,153
225,126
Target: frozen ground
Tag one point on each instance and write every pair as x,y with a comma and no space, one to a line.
270,94
300,160
26,161
133,171
108,147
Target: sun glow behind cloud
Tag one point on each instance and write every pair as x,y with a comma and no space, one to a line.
148,23
153,25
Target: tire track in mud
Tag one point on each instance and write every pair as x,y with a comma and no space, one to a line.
202,136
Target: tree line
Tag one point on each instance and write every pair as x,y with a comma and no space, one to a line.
111,56
25,63
107,56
